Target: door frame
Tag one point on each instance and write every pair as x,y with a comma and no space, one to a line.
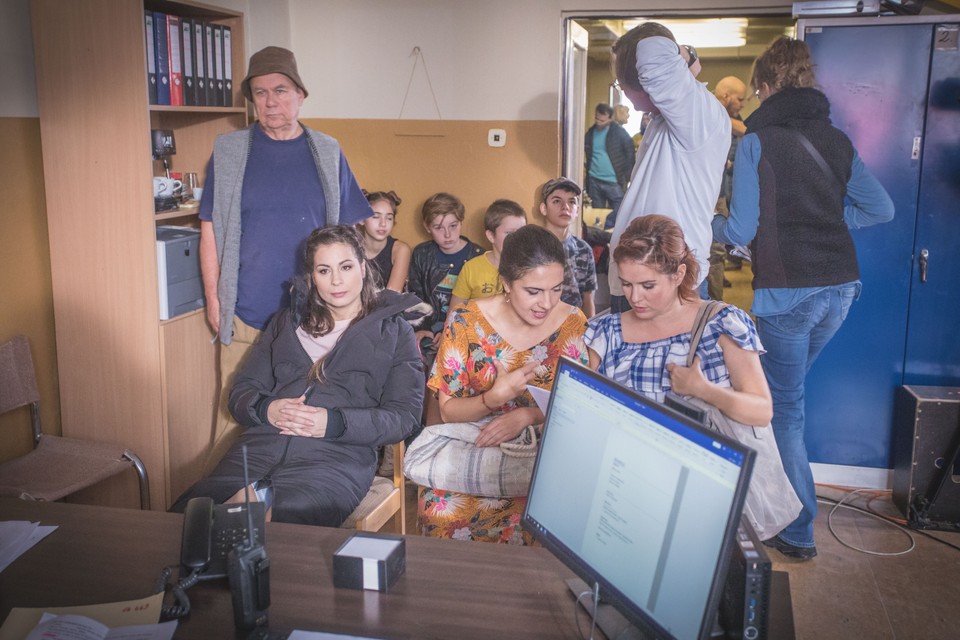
566,128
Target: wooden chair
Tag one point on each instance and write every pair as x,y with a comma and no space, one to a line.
385,498
57,467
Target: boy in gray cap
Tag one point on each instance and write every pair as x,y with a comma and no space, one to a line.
560,208
282,180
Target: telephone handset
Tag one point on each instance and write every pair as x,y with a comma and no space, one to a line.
211,531
225,541
197,540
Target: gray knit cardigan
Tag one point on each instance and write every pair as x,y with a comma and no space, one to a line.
230,153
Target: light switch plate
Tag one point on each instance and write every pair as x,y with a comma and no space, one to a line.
496,137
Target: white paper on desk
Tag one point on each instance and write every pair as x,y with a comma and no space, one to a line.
540,396
321,635
17,536
113,614
73,627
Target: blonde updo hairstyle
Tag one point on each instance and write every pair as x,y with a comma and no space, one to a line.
657,242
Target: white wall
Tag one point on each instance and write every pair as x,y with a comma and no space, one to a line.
489,60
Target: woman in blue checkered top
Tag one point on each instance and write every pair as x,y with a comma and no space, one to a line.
646,347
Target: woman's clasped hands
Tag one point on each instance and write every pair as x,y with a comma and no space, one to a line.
293,417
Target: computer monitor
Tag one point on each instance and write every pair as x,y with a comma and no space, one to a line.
638,499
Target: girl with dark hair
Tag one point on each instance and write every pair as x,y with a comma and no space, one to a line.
491,349
390,256
646,347
799,186
332,379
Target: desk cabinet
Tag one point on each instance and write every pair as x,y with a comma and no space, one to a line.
125,376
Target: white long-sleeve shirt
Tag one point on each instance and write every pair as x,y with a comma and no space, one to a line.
681,159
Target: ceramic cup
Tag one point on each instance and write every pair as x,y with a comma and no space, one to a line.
165,187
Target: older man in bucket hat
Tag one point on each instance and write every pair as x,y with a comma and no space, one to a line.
267,187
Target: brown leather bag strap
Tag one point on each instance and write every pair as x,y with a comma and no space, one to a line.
707,311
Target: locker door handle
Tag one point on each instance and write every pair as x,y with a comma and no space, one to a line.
924,259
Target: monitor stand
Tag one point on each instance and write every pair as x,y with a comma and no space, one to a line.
610,621
616,627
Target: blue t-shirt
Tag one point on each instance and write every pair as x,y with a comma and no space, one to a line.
281,202
600,166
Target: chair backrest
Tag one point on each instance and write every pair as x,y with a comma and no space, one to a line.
18,382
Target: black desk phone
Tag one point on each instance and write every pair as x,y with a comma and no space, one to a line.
210,533
217,543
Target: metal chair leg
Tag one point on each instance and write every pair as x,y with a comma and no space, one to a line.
141,477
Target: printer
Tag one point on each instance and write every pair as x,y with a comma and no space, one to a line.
178,270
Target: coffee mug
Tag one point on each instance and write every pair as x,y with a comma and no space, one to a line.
165,187
197,193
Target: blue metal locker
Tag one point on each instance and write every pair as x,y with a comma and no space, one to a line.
877,75
933,343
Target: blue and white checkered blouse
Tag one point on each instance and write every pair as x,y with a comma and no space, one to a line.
642,366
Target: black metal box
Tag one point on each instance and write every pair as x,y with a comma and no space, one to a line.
926,433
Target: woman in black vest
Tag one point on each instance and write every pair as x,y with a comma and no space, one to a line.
798,187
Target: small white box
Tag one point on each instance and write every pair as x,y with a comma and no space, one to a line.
371,561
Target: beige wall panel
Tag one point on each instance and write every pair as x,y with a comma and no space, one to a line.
25,284
417,158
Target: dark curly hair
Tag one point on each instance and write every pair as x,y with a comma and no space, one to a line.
317,318
785,64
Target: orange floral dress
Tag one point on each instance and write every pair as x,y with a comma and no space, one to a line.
464,368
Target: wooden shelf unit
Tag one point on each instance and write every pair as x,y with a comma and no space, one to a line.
125,376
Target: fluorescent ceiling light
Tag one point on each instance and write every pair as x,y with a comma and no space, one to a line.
703,33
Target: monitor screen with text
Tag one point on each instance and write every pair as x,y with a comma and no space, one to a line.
638,499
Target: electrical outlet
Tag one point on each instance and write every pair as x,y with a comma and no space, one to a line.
497,137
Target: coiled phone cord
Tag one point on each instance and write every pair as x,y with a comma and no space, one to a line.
182,608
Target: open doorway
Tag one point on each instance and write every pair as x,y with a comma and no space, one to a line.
727,46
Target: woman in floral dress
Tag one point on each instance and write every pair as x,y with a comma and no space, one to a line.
491,349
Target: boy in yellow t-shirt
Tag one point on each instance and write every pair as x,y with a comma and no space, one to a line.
479,277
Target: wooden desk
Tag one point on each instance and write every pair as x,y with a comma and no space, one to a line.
450,589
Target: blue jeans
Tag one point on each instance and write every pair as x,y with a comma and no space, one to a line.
793,341
605,195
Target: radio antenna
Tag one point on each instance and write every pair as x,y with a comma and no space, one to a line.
246,499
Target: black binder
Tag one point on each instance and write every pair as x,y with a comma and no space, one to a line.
199,66
218,64
227,67
162,57
189,64
211,65
151,57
